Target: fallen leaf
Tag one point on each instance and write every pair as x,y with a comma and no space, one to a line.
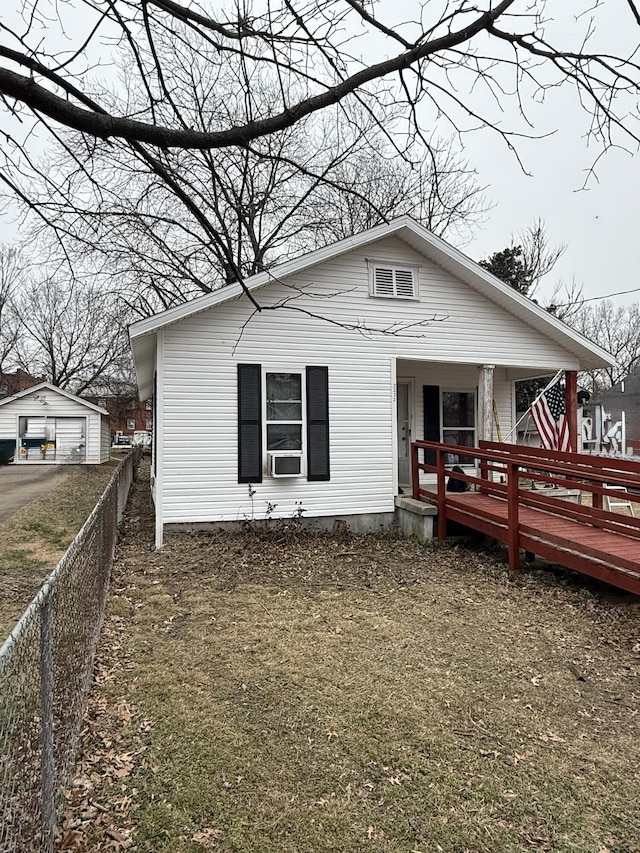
205,837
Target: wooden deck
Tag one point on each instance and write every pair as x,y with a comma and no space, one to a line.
543,521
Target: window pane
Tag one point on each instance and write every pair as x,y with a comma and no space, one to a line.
284,386
466,438
284,411
458,409
284,437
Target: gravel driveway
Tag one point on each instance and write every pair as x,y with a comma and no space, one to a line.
21,484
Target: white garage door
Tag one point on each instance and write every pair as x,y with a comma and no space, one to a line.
70,438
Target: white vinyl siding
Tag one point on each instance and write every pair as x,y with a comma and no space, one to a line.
200,450
105,440
441,341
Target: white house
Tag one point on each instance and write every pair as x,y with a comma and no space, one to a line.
303,396
50,425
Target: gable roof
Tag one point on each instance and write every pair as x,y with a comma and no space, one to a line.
590,355
49,387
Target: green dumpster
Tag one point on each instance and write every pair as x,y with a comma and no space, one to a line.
7,450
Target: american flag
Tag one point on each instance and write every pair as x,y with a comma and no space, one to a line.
549,416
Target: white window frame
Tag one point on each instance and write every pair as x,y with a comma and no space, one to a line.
302,453
473,430
395,268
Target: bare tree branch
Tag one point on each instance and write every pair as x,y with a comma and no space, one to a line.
616,329
179,223
296,45
395,328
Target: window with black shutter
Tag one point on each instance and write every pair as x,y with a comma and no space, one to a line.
285,415
249,423
284,411
318,467
284,423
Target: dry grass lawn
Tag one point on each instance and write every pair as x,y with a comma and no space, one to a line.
280,693
33,540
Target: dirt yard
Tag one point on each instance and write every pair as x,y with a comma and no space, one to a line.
280,693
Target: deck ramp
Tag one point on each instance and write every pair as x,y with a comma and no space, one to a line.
562,520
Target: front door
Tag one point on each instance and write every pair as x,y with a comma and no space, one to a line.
404,417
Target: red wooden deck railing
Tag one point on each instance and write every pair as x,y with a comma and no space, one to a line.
545,520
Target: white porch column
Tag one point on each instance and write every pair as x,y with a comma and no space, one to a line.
485,402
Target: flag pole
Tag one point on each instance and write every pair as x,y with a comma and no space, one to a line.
544,391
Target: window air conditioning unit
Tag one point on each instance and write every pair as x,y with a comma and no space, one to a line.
285,465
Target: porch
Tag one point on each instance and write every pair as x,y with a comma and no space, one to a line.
462,404
523,496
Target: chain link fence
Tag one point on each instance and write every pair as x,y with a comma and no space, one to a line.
46,667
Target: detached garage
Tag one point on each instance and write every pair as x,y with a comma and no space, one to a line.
47,425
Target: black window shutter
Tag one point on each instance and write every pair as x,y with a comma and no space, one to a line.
431,397
318,423
249,423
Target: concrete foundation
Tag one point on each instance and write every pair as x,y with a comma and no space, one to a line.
412,518
365,523
415,518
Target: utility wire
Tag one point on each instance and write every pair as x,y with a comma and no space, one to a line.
594,298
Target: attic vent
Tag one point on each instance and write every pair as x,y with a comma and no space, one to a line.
394,282
404,283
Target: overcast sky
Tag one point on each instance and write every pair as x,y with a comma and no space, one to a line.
600,225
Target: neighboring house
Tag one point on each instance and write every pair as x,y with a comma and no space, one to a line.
618,410
49,425
127,414
19,380
307,404
137,417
